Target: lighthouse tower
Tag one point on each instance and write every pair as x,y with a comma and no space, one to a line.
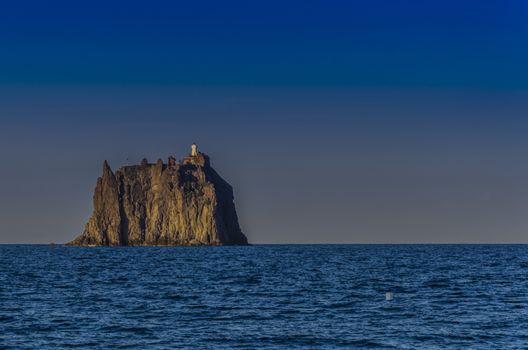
196,158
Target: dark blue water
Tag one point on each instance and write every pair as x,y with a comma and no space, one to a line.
266,297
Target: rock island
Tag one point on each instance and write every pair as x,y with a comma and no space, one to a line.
178,203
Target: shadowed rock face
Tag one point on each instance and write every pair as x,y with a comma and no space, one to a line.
184,203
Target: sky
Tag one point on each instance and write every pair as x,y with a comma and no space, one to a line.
335,121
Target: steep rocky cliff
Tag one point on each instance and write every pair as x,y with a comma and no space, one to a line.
185,203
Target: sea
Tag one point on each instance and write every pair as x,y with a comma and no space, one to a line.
264,297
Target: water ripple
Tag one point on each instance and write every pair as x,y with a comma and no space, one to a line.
266,297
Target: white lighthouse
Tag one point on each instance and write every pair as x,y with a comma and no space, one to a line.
194,150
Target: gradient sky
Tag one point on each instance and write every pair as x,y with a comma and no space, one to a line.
335,121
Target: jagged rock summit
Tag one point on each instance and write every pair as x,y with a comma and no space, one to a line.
178,203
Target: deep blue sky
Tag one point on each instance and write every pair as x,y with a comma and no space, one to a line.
336,121
308,43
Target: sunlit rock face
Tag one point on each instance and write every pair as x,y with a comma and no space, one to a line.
185,203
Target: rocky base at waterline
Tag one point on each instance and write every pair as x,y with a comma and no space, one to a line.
173,204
